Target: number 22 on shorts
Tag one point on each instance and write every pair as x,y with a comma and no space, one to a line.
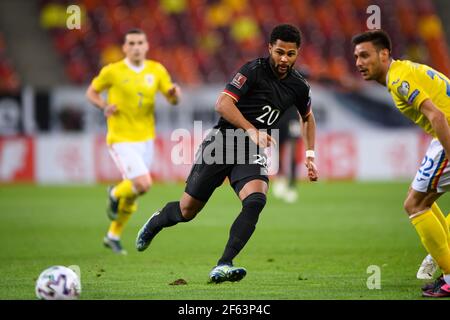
426,165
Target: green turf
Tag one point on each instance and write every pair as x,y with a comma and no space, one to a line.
318,248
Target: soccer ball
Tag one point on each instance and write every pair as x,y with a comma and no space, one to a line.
58,283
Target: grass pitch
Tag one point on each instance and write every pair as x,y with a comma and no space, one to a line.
318,248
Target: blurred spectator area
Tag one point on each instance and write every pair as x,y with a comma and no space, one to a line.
205,41
9,80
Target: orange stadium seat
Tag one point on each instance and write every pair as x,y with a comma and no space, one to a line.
9,80
205,41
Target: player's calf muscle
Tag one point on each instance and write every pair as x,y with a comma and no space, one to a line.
190,207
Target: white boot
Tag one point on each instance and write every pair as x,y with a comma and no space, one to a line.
427,268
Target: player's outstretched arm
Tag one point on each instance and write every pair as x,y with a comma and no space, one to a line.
96,99
226,107
438,122
309,138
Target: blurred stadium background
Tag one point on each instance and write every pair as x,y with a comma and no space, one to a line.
52,140
49,133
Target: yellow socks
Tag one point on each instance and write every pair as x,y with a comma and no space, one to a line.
126,207
447,218
125,189
126,194
444,222
434,238
116,227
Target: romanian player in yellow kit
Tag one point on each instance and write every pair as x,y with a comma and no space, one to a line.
423,95
131,84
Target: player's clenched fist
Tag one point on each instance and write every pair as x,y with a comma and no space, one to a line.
109,110
313,174
261,138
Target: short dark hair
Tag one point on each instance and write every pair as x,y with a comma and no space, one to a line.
379,38
286,33
133,31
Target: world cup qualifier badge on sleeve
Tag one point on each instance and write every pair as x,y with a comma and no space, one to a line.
239,80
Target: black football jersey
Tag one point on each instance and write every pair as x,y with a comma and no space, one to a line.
262,97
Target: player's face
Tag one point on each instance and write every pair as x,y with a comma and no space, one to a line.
283,56
369,60
135,47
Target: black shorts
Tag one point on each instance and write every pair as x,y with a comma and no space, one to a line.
206,176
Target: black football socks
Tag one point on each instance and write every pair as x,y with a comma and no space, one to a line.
169,216
243,227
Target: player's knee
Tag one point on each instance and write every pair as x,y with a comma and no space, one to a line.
410,206
407,208
142,186
189,210
190,206
255,202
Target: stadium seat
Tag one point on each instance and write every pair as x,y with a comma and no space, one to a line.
202,28
9,80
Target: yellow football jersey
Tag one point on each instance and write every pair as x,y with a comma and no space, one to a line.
411,83
133,92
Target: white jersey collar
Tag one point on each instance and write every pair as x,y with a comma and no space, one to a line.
136,69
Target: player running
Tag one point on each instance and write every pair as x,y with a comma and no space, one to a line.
132,84
253,101
423,95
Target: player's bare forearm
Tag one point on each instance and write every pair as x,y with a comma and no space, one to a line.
309,138
95,98
226,107
442,129
438,122
309,131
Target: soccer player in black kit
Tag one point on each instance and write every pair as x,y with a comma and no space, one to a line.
249,105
